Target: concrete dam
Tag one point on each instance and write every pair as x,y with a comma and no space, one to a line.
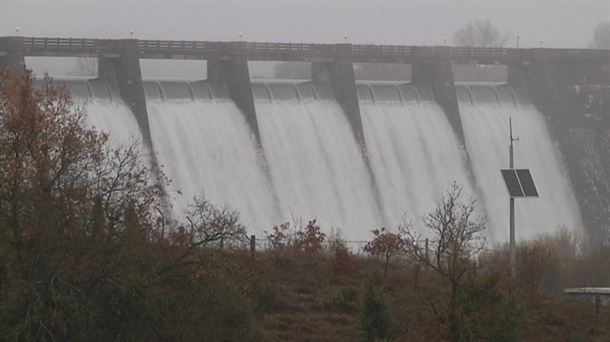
357,154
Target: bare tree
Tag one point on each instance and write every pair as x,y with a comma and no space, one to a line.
211,225
456,238
601,36
480,33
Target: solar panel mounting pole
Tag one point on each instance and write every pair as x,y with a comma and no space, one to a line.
513,249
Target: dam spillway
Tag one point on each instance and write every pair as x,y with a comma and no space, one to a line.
309,163
206,149
485,113
315,163
415,155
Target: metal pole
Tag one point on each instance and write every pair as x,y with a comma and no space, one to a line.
513,249
252,246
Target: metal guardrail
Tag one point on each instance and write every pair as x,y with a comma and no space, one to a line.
60,43
255,47
281,47
181,45
383,50
267,50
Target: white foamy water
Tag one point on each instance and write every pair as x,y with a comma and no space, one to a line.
115,119
413,151
316,166
104,110
206,148
486,128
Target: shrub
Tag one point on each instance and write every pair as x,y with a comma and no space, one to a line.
342,261
376,319
344,301
279,238
266,297
489,311
310,239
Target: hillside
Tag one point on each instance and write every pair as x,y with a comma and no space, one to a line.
311,299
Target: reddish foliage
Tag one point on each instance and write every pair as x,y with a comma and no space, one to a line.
310,240
386,245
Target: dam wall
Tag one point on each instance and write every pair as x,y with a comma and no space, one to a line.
575,100
359,155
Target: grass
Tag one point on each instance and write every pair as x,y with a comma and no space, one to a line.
312,301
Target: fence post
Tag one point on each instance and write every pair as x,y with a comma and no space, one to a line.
427,251
597,303
252,245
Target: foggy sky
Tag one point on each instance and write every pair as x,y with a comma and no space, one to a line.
558,23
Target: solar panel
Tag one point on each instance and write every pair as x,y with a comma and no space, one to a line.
527,183
512,183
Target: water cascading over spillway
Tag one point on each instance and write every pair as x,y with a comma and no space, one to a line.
205,147
105,111
485,113
316,165
414,153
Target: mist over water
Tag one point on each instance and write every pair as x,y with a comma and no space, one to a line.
315,163
413,151
485,113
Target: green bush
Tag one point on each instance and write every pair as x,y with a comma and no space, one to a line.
489,312
344,301
266,297
376,319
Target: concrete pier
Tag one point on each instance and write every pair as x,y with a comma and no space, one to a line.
439,77
13,57
235,73
126,72
340,76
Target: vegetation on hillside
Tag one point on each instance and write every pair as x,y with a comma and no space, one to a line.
86,253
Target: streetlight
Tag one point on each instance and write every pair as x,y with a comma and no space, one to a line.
240,35
345,38
541,44
131,33
518,41
444,41
17,30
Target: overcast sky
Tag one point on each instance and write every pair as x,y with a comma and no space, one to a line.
559,23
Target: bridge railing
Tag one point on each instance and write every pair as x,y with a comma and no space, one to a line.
60,43
296,51
179,45
475,51
383,50
279,47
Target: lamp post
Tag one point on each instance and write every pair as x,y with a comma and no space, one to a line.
518,37
131,34
17,30
513,247
345,38
541,43
240,35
